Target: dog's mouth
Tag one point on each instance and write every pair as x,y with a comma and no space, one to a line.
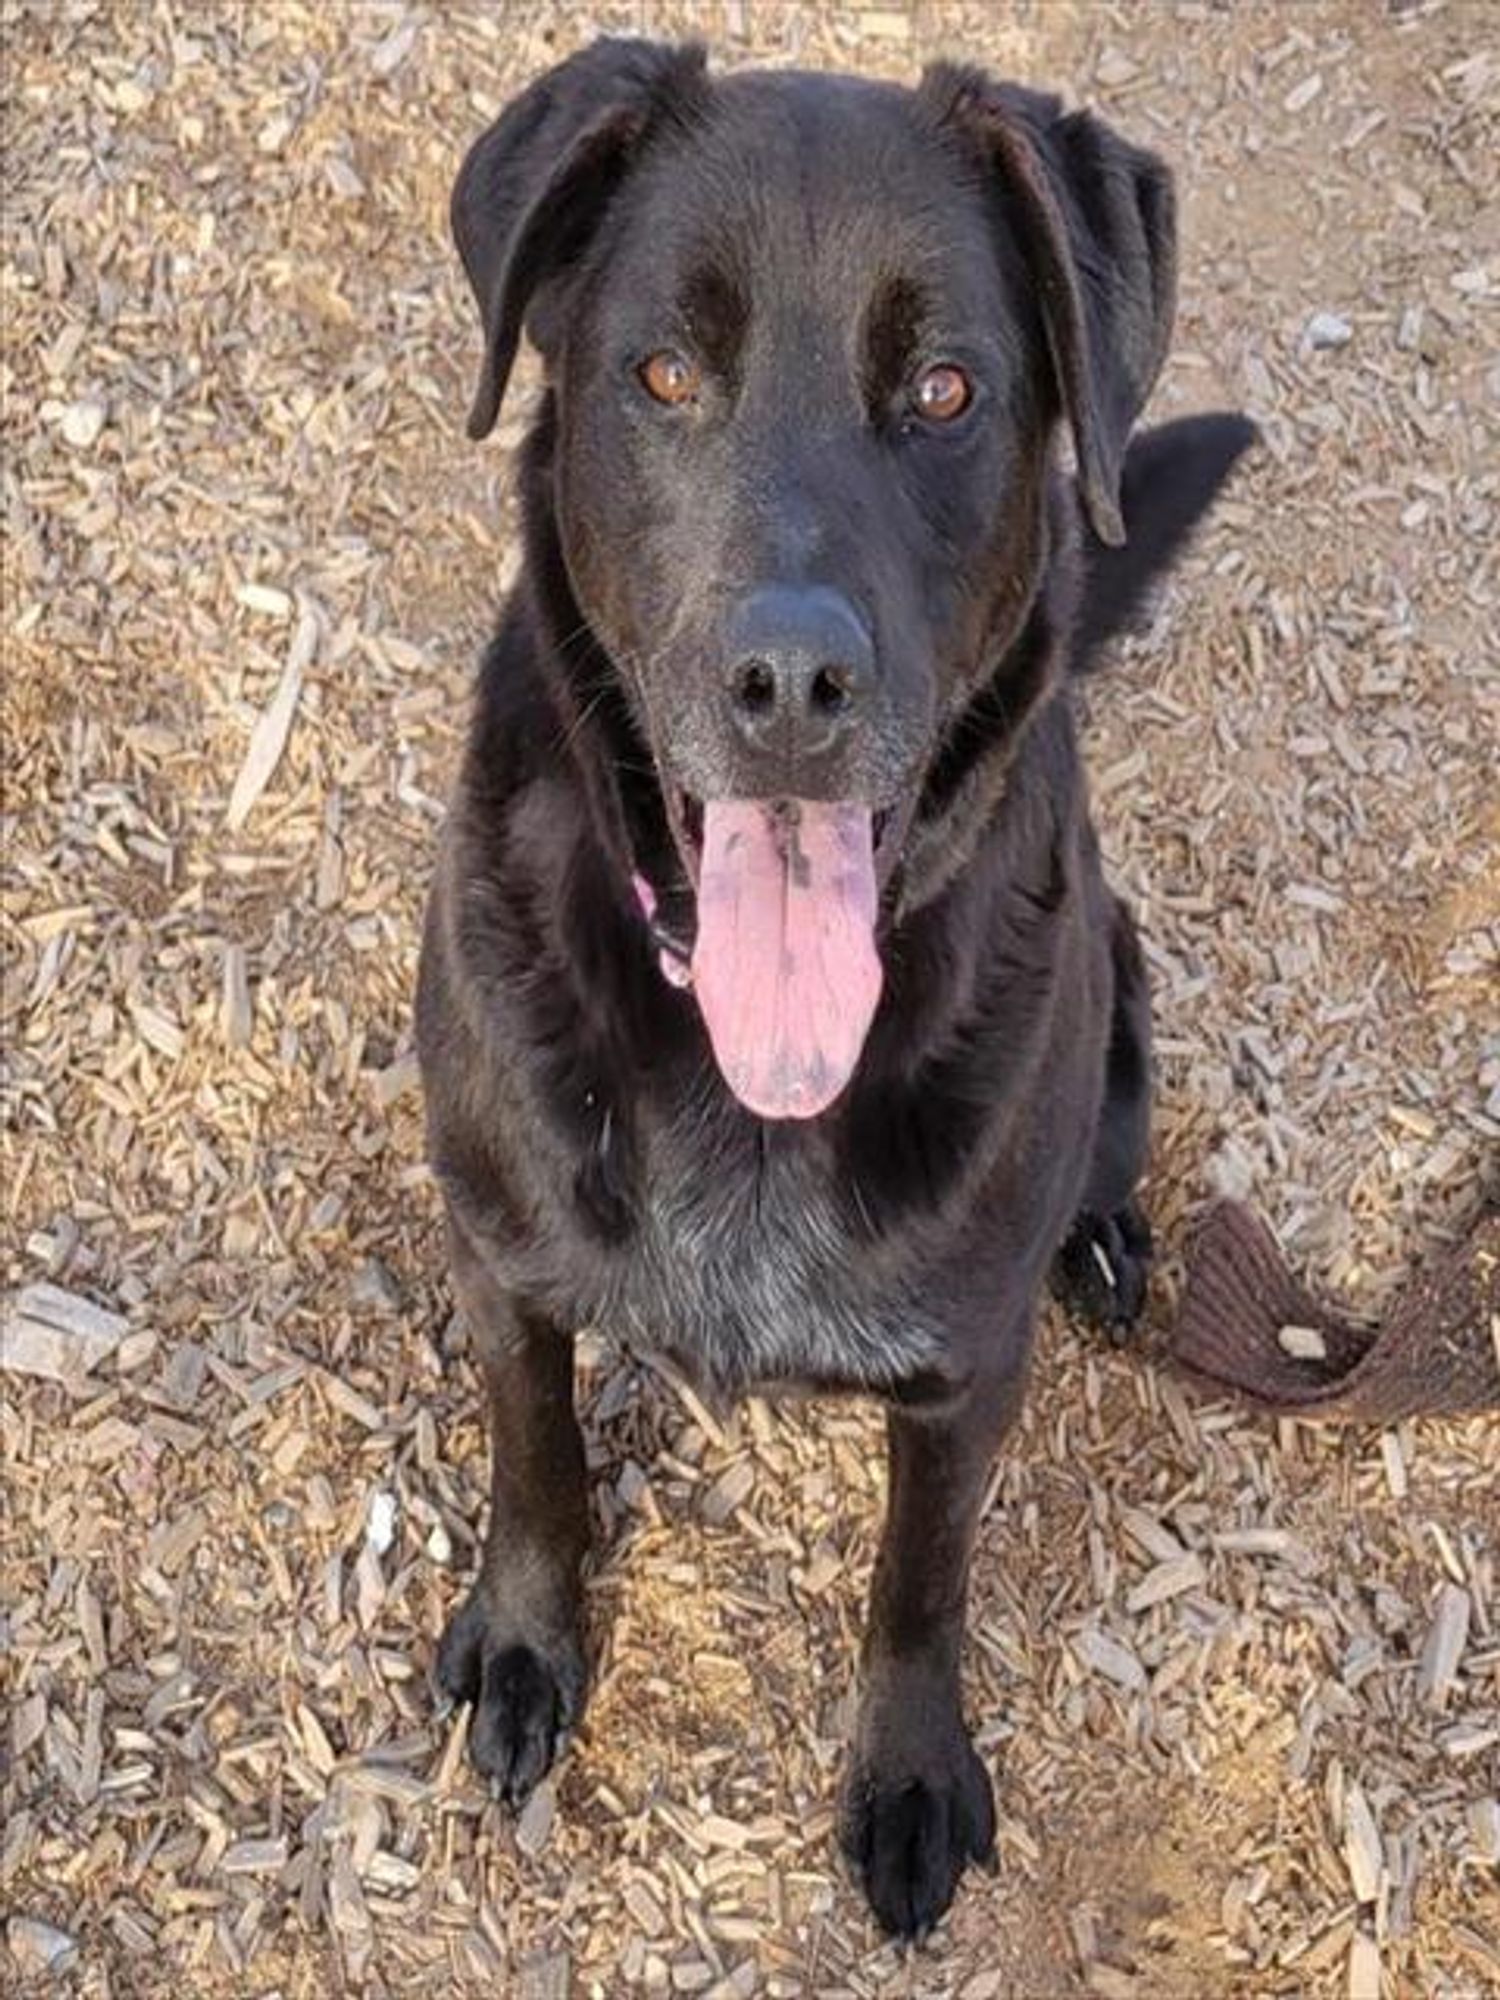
784,965
888,826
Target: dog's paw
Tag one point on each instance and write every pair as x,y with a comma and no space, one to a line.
526,1697
1102,1271
911,1823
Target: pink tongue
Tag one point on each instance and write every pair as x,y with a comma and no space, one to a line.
785,968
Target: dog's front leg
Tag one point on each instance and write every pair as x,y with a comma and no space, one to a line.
515,1648
918,1806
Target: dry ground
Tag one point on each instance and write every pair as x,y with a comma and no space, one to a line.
237,359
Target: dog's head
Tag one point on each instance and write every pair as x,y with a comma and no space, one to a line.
808,339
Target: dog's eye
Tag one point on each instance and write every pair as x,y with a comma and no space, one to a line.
943,393
670,377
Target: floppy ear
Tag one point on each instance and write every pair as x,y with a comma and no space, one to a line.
535,185
1095,220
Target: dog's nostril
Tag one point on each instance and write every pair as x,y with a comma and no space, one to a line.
832,689
757,688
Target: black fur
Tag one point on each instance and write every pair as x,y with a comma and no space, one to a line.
1172,476
809,242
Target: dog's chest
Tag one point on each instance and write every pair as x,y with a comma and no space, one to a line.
746,1268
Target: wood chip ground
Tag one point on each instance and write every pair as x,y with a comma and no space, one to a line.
1239,1683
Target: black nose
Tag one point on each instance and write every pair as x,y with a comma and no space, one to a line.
802,667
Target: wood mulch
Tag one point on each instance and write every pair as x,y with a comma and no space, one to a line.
1239,1682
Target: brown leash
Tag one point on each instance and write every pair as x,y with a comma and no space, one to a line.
1248,1329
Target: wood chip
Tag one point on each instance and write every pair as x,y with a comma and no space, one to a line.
1306,1343
1468,1739
1443,1649
1395,1464
1110,1983
545,1976
1276,1544
729,1492
157,1030
254,1857
1153,1535
50,1332
534,1827
236,1017
82,422
266,599
1100,1654
644,1909
40,1948
1166,1580
1484,1826
1364,1967
268,737
1363,1853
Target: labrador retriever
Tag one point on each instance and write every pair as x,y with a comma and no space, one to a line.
773,1007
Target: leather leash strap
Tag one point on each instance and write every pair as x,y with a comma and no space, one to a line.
1248,1329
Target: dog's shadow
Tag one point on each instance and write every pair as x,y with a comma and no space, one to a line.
692,1647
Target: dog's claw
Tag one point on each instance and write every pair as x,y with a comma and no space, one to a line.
525,1697
1102,1270
909,1835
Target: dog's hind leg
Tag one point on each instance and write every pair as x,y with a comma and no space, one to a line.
1102,1269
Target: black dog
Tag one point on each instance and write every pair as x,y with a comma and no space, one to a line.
773,1007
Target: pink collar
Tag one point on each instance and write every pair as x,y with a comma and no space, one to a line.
671,955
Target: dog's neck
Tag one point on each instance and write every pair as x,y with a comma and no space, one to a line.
968,777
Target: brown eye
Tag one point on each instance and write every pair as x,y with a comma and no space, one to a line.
943,393
670,377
